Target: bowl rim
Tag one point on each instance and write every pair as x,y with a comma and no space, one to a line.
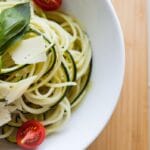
122,49
122,71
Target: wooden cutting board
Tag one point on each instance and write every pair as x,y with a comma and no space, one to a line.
128,128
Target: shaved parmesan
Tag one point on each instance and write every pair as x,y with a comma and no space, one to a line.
29,51
4,90
4,116
5,111
19,89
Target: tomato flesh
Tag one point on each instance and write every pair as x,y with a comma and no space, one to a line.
48,5
30,134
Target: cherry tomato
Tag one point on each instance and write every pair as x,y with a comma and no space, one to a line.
48,5
30,134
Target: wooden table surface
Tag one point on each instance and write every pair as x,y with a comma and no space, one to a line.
128,128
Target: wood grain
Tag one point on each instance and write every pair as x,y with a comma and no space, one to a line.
128,128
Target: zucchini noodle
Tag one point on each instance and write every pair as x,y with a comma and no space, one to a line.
60,82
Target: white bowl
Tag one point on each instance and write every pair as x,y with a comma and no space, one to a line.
103,28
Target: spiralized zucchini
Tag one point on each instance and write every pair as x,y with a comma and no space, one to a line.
61,81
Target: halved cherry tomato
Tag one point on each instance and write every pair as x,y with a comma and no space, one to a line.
30,134
48,5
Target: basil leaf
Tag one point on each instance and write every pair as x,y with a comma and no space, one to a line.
13,40
12,22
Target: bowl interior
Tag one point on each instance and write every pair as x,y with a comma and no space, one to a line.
101,24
